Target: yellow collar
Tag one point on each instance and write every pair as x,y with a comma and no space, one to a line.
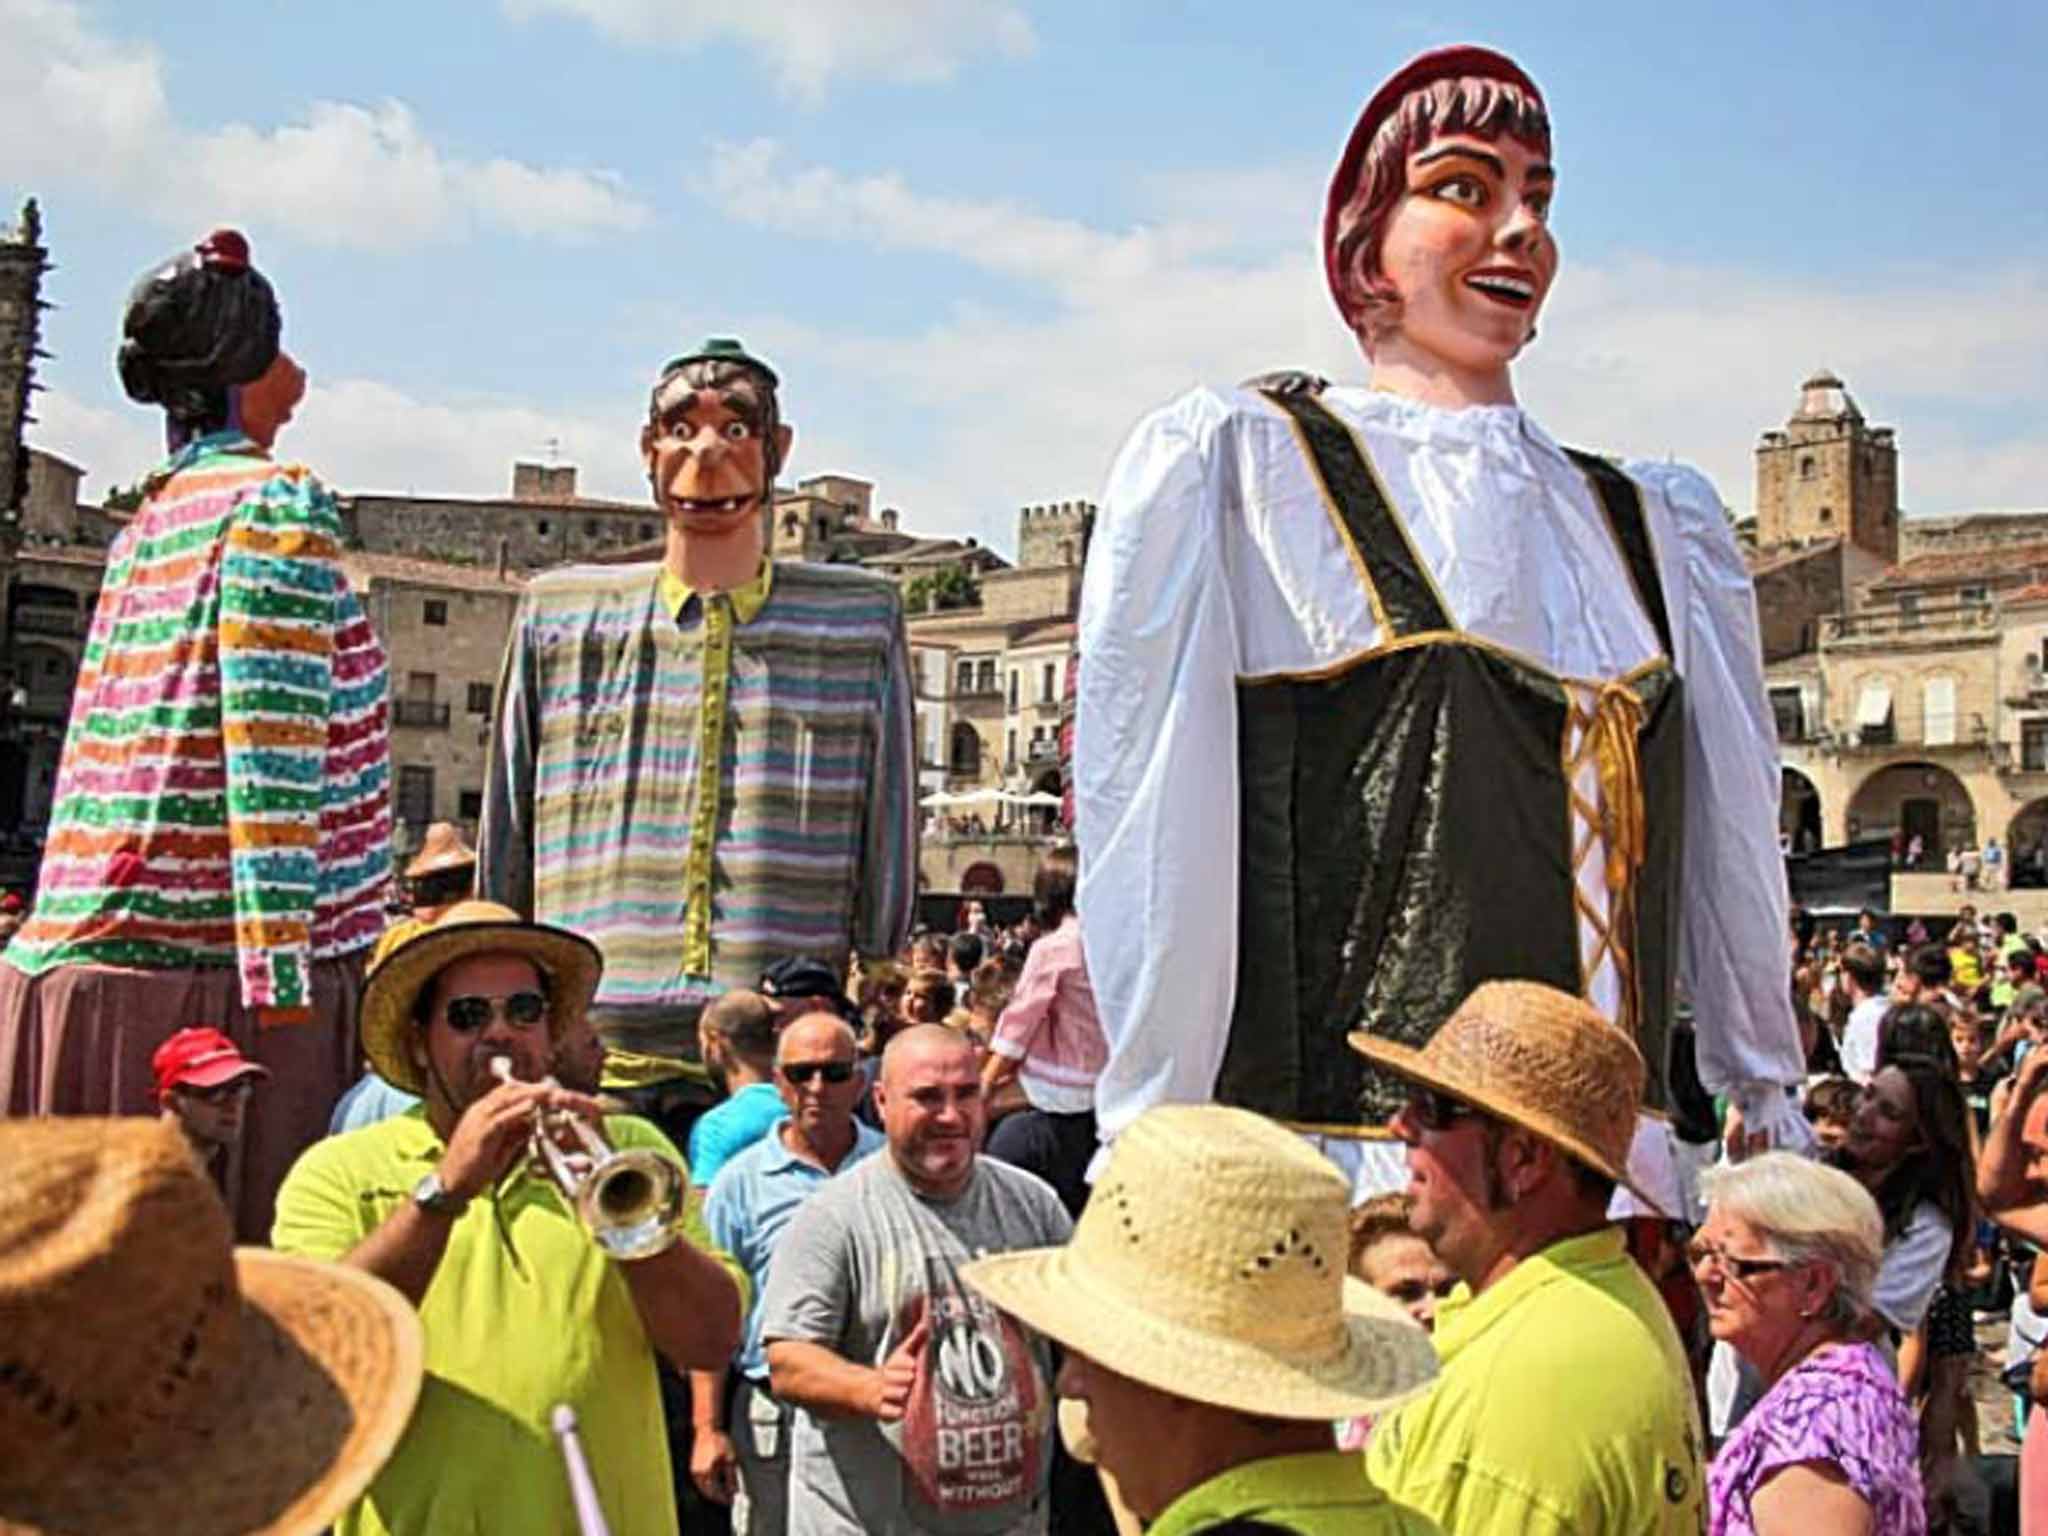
747,601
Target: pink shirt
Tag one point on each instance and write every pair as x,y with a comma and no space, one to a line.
1051,1026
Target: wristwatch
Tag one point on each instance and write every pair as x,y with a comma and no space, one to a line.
431,1195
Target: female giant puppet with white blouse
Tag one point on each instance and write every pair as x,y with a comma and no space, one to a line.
1383,693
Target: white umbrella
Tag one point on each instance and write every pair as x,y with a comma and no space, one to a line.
1038,797
940,797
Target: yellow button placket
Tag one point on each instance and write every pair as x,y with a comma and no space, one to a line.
714,683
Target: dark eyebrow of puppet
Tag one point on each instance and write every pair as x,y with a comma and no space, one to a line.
1445,151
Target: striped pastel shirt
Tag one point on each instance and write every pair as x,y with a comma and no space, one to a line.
223,797
702,784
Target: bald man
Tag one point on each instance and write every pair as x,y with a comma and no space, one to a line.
739,1452
920,1408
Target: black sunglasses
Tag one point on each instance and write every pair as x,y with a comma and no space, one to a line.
801,1072
219,1093
466,1015
1435,1111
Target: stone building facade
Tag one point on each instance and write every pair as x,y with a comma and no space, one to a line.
991,679
444,629
1905,656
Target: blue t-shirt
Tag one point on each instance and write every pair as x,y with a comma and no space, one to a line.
731,1128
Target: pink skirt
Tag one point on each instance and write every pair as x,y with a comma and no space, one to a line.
77,1040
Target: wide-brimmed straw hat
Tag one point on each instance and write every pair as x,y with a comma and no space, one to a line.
1538,1058
152,1377
570,962
1210,1264
442,848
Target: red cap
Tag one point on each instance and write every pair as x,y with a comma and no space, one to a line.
1458,62
11,902
200,1058
227,249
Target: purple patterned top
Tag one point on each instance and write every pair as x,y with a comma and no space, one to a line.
1840,1405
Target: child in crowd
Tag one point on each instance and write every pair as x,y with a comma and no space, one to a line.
1390,1256
928,998
1830,1107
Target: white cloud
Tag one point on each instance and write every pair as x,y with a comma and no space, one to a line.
810,43
1641,356
75,103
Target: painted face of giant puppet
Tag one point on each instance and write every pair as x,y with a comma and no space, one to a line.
712,445
1436,238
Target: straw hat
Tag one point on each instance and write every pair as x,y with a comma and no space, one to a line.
570,962
1209,1264
442,848
154,1378
1538,1058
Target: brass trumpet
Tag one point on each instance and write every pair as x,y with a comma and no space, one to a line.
630,1202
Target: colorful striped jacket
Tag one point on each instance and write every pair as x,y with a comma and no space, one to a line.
223,797
705,788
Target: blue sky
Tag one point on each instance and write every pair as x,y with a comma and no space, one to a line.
980,239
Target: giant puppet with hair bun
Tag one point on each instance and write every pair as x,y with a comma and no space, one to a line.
1384,693
704,762
219,841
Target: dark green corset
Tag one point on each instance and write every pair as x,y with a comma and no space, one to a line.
1407,829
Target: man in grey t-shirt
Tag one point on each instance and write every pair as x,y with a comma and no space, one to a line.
921,1408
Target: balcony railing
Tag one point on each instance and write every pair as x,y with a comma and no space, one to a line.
1038,752
976,693
1893,623
46,621
421,714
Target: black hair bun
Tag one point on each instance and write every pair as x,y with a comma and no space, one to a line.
197,325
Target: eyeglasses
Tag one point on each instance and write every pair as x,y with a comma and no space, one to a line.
523,1010
1702,1255
801,1072
1435,1111
219,1093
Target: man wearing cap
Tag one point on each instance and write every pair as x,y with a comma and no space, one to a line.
156,1378
442,873
1565,1406
522,1309
1449,697
736,1043
741,1452
922,1408
203,1083
797,985
704,764
1213,1334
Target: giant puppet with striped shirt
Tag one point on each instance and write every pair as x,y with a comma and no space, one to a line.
703,763
220,836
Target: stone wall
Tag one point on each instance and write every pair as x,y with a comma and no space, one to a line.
444,680
1051,534
527,535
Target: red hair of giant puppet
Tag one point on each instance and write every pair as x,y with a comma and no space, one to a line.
1462,61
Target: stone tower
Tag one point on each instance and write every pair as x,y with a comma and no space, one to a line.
1054,534
22,264
1828,474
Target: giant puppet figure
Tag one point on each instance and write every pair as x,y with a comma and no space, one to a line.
220,840
703,763
1385,693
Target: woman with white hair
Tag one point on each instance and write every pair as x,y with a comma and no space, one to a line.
1787,1261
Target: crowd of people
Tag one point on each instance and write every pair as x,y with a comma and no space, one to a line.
1392,1116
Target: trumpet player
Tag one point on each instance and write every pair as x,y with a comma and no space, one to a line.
523,1308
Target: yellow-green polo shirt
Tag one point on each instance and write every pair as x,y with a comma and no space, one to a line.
1323,1493
523,1313
1564,1407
